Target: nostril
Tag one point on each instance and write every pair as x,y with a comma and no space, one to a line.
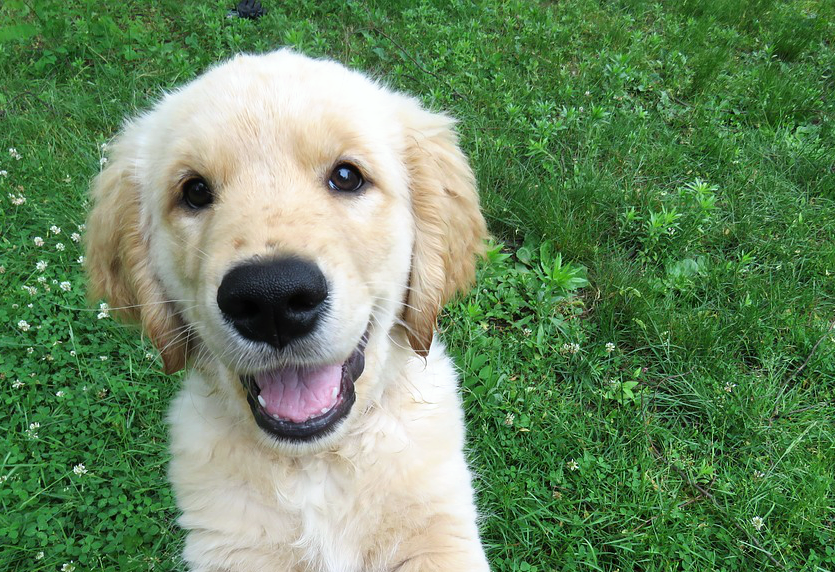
243,309
304,301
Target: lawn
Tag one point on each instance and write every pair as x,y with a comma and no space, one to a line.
648,360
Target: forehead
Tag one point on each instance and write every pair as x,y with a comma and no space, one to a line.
277,109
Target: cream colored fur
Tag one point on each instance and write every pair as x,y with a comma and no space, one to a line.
389,489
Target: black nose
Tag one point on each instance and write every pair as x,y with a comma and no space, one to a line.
275,301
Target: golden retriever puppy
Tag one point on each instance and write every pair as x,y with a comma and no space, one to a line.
287,230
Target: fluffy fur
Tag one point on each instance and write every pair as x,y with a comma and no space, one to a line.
389,488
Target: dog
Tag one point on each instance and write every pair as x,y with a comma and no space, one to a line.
286,230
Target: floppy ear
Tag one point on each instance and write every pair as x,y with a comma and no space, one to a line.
117,261
449,227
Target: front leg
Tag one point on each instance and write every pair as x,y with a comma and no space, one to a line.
446,544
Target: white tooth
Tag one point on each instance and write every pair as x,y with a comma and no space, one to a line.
334,393
262,401
325,410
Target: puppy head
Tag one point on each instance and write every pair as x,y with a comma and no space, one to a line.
282,221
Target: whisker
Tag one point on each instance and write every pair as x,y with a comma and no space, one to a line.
416,391
180,332
109,308
388,333
404,304
406,287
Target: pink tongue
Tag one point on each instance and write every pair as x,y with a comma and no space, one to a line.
298,394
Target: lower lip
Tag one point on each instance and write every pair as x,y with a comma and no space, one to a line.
315,427
309,430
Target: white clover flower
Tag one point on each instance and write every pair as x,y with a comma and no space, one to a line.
610,347
759,475
31,290
149,355
4,173
30,351
55,229
757,522
570,348
509,419
3,479
17,384
41,265
38,241
104,147
60,393
60,247
41,279
15,155
68,566
67,179
23,325
729,387
82,227
80,260
103,358
32,432
72,353
102,315
79,469
2,269
65,286
102,161
75,237
17,200
105,311
572,465
527,331
39,555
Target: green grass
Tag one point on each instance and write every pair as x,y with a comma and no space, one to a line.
679,157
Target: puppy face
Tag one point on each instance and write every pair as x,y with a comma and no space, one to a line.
282,221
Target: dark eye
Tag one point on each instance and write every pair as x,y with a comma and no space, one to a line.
197,194
346,178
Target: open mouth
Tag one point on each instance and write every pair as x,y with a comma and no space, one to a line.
301,403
